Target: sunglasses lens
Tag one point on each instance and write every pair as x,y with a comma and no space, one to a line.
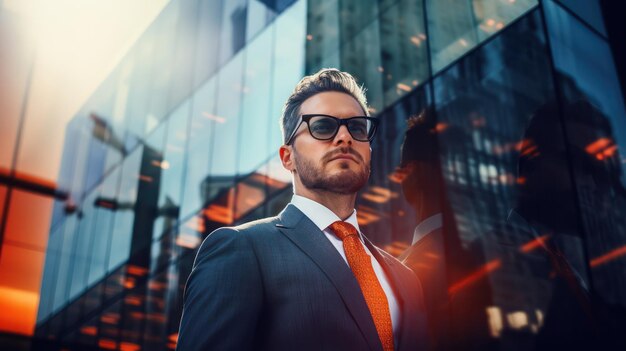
359,128
323,127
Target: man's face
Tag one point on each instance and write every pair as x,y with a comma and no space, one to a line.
340,165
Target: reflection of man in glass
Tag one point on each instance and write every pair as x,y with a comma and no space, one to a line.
550,262
457,320
307,279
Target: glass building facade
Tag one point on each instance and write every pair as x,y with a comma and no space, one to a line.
502,118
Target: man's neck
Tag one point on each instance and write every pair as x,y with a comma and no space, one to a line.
341,204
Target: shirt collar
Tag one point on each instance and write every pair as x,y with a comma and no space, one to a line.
319,214
427,226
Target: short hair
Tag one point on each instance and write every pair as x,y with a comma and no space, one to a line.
326,79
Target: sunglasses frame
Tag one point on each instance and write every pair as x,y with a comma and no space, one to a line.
340,121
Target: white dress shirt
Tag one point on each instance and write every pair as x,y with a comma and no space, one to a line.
322,217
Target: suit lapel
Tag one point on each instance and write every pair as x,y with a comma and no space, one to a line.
307,236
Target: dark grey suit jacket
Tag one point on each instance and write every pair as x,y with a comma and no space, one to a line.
279,284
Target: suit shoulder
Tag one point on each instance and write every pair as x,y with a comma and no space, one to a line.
257,225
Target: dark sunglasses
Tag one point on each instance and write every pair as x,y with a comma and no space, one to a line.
325,127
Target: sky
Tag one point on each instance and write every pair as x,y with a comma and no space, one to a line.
77,44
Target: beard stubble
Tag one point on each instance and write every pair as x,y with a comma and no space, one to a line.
347,182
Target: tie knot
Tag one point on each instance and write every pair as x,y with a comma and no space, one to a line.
343,229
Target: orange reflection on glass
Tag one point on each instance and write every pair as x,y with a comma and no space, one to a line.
379,194
396,248
110,318
89,330
133,300
19,310
129,283
188,241
145,178
137,315
136,270
598,145
161,164
248,197
195,223
367,215
399,174
129,346
440,127
475,276
173,340
107,344
404,87
156,317
609,256
533,244
432,255
219,213
156,286
527,147
415,40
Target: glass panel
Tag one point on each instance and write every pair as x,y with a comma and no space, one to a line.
162,35
457,26
233,31
50,267
28,220
182,75
383,195
125,208
226,123
355,16
109,330
255,112
172,170
207,47
133,318
322,34
287,64
259,16
504,186
88,333
404,55
155,334
105,206
595,118
177,276
82,251
94,163
20,280
163,251
203,120
64,271
361,57
588,10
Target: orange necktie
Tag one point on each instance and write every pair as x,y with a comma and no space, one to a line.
370,286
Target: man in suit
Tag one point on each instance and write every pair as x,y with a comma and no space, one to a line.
307,279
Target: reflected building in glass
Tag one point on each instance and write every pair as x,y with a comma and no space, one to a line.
496,173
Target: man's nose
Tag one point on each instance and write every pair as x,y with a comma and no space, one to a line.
343,136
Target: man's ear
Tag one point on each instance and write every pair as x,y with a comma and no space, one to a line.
286,157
